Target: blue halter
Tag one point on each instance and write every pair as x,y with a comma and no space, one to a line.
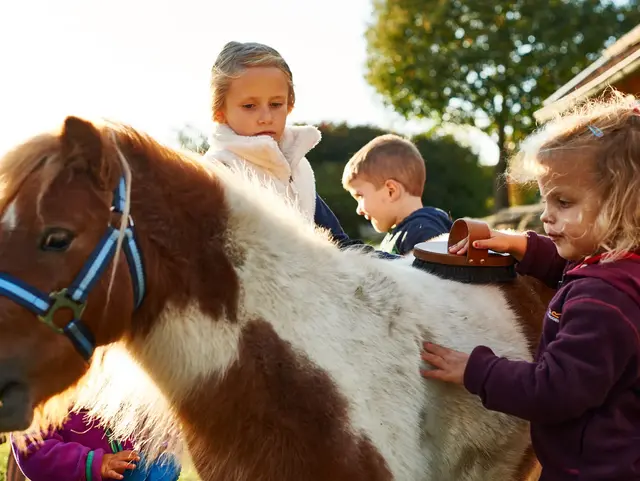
74,297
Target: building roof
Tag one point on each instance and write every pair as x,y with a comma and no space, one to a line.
616,62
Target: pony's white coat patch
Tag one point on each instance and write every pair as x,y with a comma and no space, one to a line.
134,387
10,217
363,320
203,346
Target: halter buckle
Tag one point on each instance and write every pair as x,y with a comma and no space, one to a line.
61,300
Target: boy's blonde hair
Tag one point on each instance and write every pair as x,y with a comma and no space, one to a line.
604,135
234,59
388,157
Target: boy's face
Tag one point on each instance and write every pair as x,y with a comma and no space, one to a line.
256,103
376,205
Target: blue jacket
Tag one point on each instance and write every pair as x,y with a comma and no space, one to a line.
324,217
420,226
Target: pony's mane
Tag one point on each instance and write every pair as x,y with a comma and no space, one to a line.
20,162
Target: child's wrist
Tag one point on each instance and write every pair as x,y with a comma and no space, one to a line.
518,246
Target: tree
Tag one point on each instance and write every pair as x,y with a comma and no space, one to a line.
192,139
456,182
488,64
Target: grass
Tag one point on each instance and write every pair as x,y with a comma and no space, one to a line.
4,452
187,474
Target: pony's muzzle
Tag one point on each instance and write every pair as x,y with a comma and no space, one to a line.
16,409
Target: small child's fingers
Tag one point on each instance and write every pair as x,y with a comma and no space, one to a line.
431,374
434,360
483,244
460,247
496,244
435,349
111,474
129,454
122,466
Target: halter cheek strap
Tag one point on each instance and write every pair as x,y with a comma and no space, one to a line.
75,296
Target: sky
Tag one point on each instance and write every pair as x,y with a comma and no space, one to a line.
147,62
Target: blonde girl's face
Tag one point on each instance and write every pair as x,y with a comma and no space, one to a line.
571,207
257,103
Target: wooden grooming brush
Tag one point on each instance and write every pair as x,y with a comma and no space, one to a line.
477,266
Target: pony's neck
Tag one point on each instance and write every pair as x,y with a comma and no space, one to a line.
231,268
180,215
206,235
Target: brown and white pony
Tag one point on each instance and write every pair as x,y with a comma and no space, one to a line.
281,357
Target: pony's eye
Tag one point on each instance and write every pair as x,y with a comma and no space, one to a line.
56,239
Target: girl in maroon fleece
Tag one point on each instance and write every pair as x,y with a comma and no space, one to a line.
582,393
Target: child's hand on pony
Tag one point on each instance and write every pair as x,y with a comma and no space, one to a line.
513,244
114,465
449,364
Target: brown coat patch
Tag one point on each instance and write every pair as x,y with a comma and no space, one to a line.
529,468
529,298
184,257
277,417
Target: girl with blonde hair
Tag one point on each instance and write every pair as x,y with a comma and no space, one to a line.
252,96
582,393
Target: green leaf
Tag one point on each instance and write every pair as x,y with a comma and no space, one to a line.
488,64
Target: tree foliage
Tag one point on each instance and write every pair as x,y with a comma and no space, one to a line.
192,139
456,182
488,64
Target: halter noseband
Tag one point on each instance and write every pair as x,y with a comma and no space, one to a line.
74,297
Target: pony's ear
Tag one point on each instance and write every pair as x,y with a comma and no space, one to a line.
82,148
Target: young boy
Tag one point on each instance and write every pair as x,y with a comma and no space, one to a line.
386,177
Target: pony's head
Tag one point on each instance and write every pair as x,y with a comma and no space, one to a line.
64,288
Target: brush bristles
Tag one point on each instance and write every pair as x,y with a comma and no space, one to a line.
468,275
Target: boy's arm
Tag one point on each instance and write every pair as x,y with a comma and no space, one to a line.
542,261
324,217
57,460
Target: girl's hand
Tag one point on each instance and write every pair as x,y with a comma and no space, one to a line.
514,244
449,364
113,465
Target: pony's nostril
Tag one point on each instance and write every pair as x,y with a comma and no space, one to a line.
6,391
16,409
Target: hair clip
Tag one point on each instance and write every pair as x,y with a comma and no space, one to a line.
596,131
